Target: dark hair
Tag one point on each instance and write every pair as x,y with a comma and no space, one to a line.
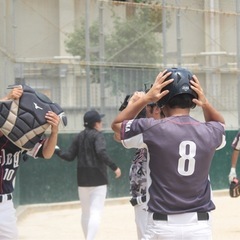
142,114
89,125
152,105
182,101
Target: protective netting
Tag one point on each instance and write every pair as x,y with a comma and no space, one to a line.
90,54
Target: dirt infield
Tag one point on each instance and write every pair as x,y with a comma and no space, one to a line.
62,221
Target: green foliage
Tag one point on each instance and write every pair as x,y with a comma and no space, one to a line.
76,44
134,40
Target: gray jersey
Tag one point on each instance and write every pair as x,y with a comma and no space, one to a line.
180,151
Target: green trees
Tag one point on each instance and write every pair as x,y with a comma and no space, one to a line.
76,43
132,45
134,40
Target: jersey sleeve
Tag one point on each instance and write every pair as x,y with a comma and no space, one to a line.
36,151
71,153
236,142
132,133
217,131
101,150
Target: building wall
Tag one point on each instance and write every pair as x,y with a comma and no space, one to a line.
37,31
202,36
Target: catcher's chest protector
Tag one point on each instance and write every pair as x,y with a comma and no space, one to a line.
23,120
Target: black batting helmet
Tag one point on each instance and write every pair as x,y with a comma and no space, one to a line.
180,85
142,114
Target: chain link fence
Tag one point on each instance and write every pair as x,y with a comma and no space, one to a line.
112,48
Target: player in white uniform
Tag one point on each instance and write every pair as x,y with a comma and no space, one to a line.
138,176
180,150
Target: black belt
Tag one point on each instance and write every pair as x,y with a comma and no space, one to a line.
135,202
202,216
9,197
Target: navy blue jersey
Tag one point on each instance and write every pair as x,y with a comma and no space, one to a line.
180,151
9,161
10,156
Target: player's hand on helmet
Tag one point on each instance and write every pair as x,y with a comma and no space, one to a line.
195,85
155,92
232,174
54,120
117,172
135,97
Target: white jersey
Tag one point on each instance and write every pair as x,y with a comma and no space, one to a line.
137,173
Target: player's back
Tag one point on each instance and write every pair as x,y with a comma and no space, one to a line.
181,150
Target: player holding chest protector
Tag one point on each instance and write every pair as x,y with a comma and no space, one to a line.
180,152
9,163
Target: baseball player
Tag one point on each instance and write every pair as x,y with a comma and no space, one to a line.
234,158
89,148
179,150
9,163
137,176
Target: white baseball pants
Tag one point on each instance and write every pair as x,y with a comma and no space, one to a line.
178,227
92,203
8,220
141,216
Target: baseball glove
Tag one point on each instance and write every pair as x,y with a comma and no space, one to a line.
234,188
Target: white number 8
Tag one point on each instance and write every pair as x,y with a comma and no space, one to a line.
186,163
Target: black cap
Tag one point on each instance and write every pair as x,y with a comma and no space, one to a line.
92,117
